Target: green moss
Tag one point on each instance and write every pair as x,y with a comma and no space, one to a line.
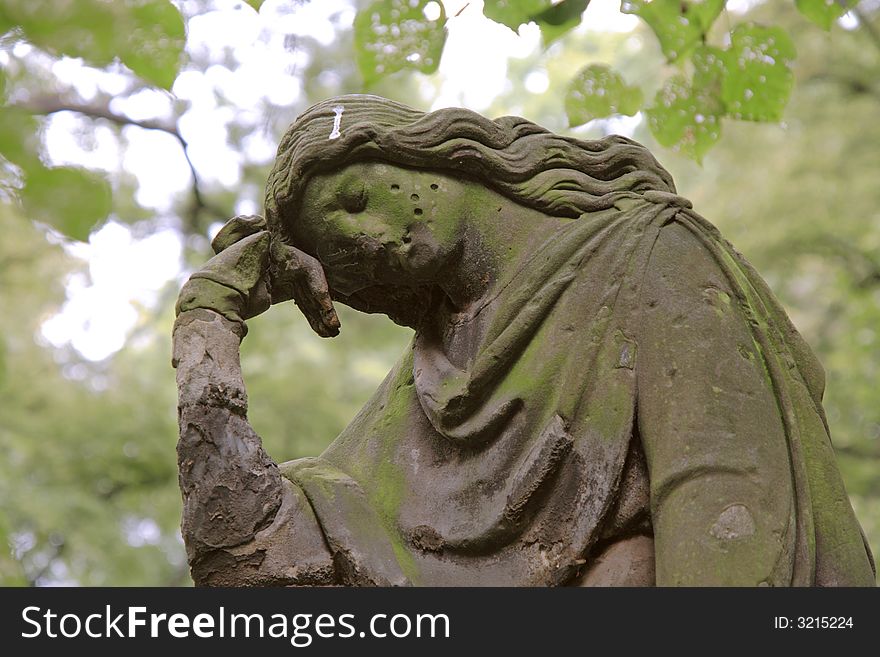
205,293
388,481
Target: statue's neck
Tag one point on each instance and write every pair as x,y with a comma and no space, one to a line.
498,238
499,242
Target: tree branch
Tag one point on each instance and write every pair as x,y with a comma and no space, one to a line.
36,578
851,83
52,104
856,451
862,266
7,262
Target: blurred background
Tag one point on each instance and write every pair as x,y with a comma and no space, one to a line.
130,131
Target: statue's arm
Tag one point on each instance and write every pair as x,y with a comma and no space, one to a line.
243,523
721,490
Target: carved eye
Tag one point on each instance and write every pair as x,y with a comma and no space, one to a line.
353,197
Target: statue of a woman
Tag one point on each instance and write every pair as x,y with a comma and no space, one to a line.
599,391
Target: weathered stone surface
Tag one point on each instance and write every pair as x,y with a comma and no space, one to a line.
600,391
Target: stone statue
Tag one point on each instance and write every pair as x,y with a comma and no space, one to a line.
599,391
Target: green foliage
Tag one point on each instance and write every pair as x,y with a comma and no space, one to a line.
146,35
750,80
560,18
758,77
19,142
596,92
679,25
70,199
755,78
154,46
81,462
824,12
554,20
513,13
256,4
687,114
394,35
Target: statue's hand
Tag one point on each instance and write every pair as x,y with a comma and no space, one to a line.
252,271
297,275
234,283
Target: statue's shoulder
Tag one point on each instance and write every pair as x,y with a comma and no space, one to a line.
686,252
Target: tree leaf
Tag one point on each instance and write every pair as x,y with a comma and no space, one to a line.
553,19
256,4
5,23
514,13
686,114
560,18
680,25
824,12
76,28
758,78
18,136
154,46
598,91
146,35
394,35
70,199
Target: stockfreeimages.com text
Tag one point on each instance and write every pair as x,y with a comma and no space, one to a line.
299,629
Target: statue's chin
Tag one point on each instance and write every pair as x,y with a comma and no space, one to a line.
403,305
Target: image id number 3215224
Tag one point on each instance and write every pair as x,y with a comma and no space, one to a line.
813,622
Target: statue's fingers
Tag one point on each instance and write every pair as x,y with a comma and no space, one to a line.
236,229
284,263
312,293
297,275
259,300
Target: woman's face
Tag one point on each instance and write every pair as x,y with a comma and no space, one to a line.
376,224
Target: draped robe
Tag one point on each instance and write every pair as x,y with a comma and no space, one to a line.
633,335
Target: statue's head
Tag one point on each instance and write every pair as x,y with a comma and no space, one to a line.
365,184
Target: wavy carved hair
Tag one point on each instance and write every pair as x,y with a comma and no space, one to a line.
560,176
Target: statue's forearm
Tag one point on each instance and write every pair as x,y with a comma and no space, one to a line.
242,523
